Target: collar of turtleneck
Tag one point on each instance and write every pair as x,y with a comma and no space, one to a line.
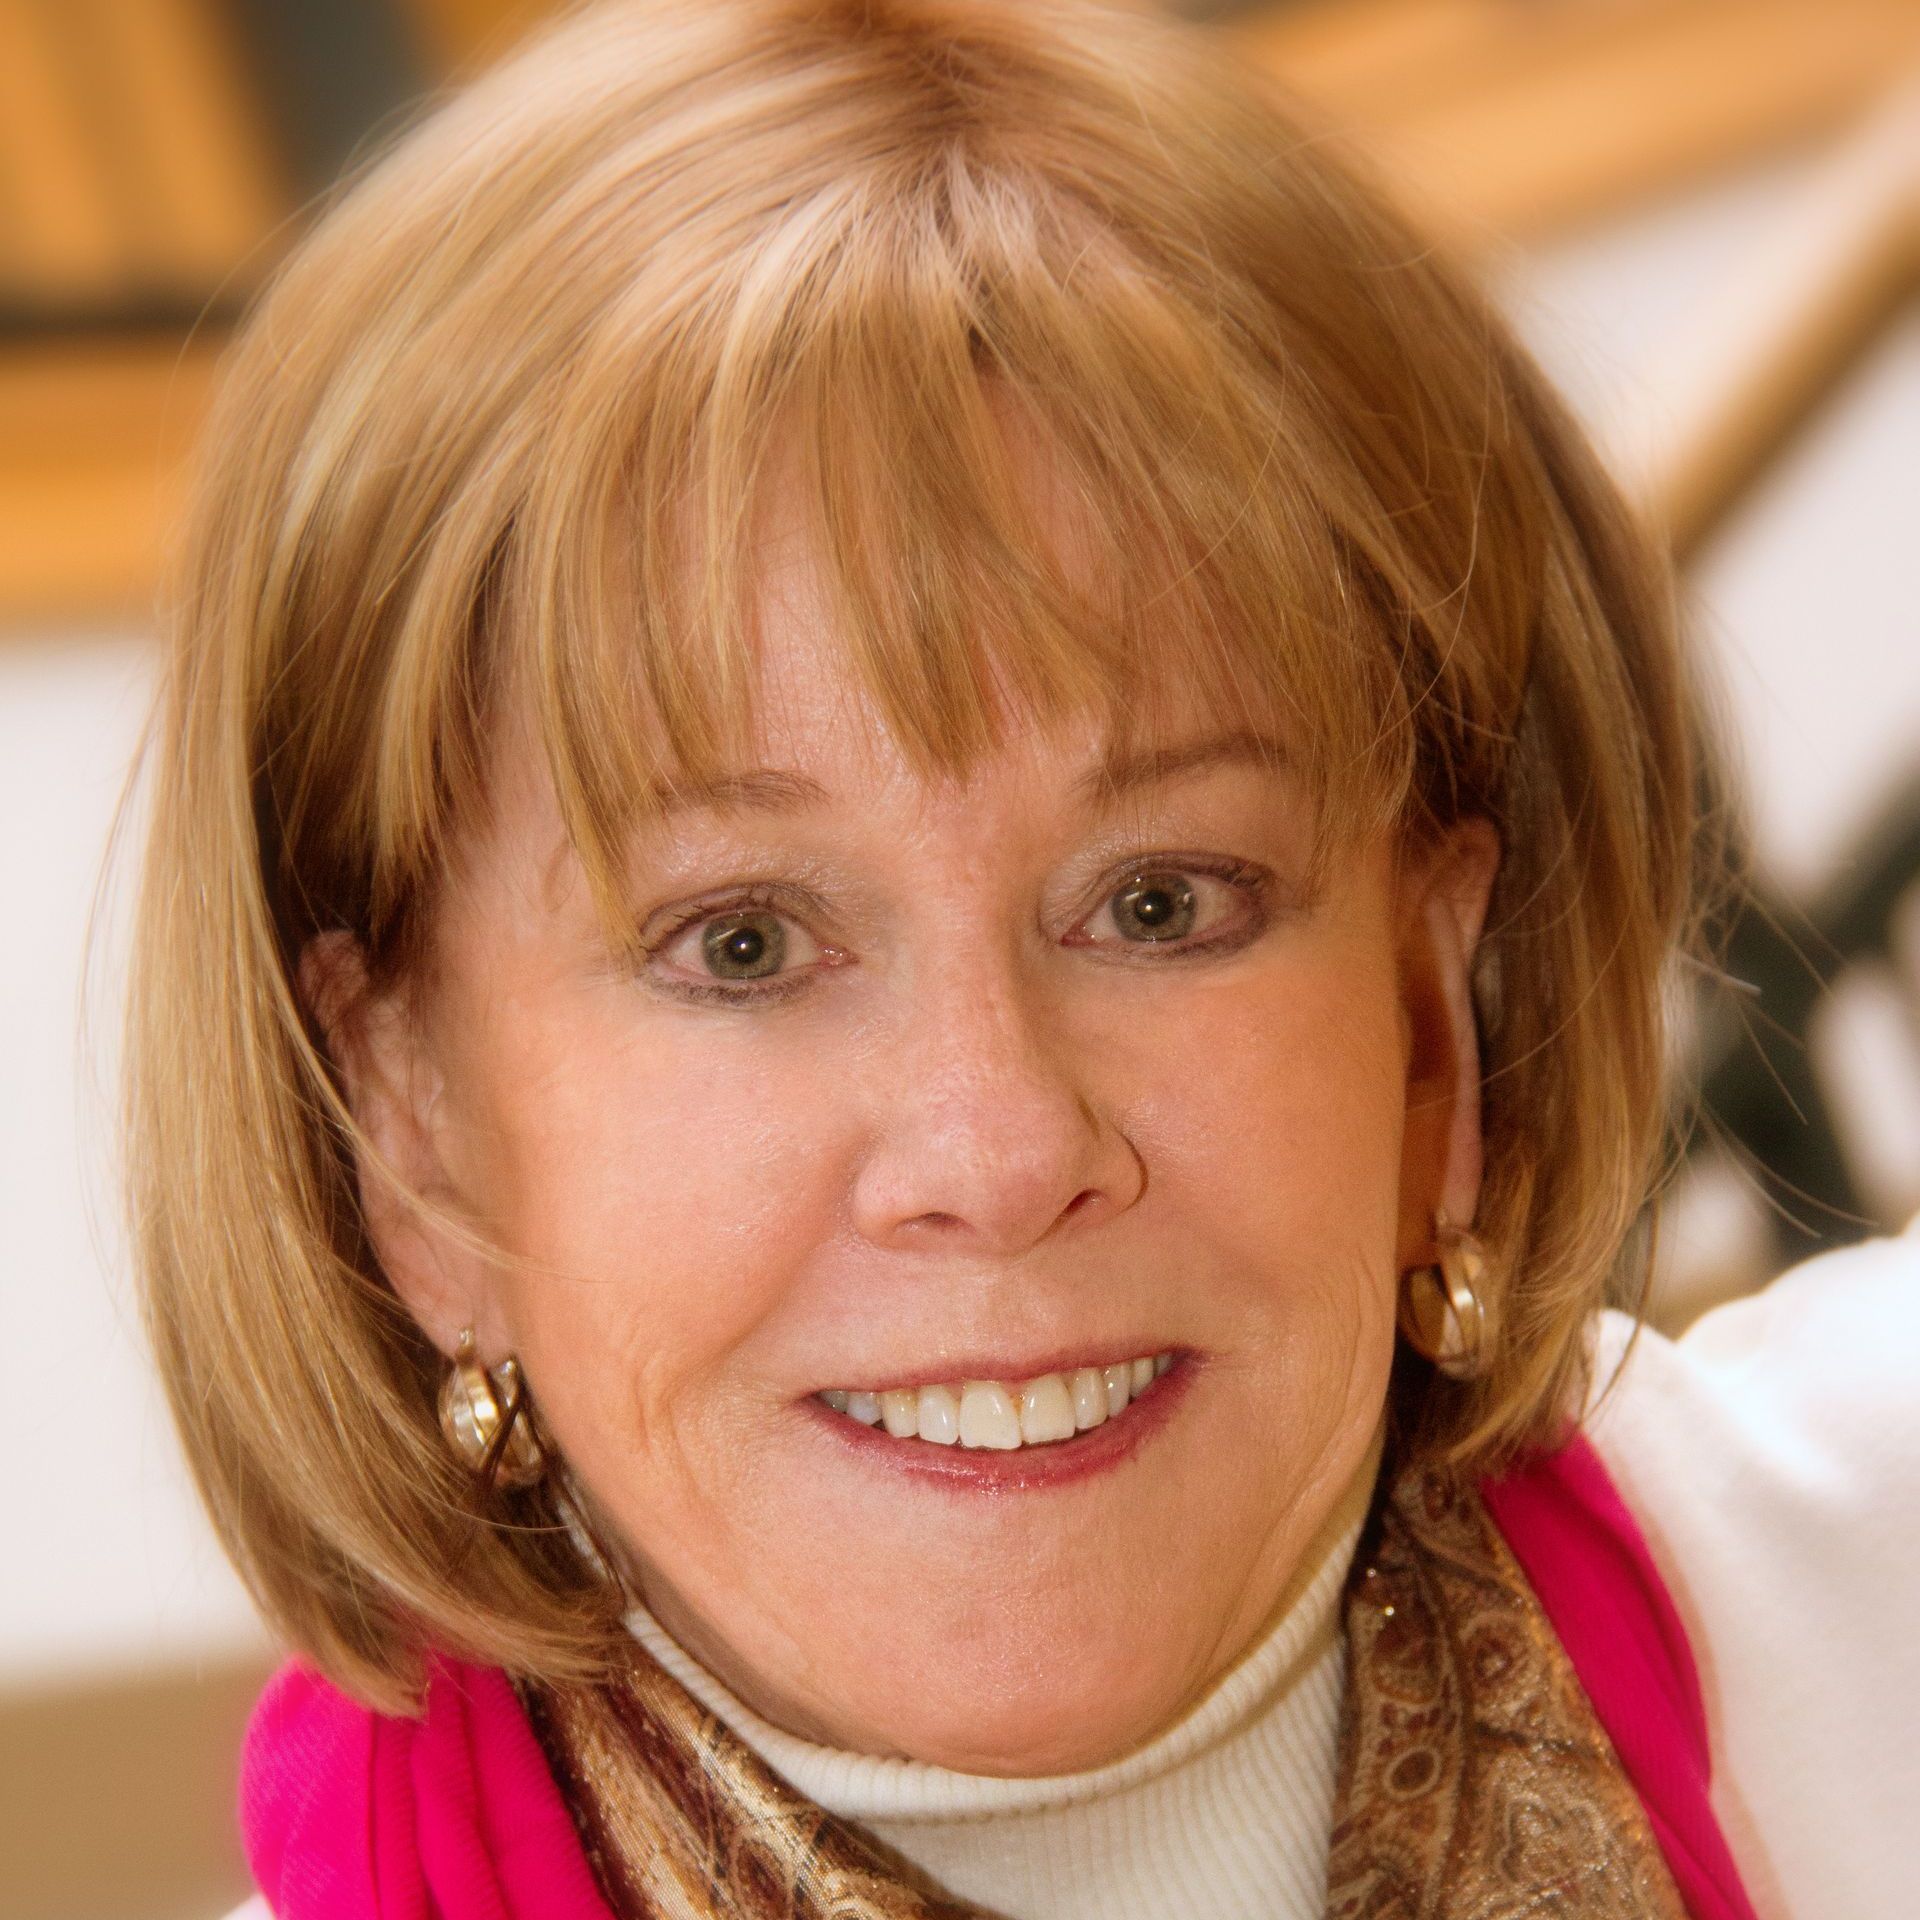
1226,1812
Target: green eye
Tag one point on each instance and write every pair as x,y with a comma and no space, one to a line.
1154,907
744,946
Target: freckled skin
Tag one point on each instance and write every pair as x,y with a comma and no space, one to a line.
968,1133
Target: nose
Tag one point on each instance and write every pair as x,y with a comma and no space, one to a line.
988,1135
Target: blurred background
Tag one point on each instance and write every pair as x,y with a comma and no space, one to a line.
1702,216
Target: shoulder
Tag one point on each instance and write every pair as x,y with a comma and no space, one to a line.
1772,1458
1800,1399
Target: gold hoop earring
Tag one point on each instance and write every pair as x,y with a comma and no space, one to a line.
488,1420
1443,1308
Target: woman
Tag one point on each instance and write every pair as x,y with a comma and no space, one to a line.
900,1009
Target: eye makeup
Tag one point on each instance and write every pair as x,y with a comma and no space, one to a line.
1152,893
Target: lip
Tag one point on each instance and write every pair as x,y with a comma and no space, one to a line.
961,1469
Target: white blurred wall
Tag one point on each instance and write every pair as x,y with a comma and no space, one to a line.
120,1571
1811,594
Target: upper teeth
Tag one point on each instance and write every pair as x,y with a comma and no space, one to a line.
995,1413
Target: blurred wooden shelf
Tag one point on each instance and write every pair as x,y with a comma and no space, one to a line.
135,142
1841,268
135,165
457,32
1521,119
92,459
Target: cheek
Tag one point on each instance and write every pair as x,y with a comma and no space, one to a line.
1295,1091
1279,1105
657,1198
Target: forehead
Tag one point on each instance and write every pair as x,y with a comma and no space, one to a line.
818,733
820,752
827,744
812,705
816,737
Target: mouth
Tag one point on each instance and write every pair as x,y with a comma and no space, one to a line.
1038,1430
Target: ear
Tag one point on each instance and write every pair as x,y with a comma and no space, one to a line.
413,1211
1443,891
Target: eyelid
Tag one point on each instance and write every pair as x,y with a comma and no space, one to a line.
775,896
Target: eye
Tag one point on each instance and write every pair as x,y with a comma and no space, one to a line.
745,948
1163,903
1155,907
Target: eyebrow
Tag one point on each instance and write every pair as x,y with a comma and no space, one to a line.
780,790
1125,773
752,790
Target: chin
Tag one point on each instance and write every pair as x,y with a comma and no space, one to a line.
1016,1717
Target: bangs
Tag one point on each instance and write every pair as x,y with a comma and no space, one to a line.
1037,483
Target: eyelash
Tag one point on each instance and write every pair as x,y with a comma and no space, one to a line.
1254,881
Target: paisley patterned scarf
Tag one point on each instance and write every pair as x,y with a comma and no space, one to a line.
1475,1778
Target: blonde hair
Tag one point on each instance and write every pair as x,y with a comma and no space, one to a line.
505,410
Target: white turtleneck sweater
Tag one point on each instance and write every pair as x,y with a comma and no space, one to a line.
1226,1813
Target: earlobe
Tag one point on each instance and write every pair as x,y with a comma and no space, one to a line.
392,1090
1442,1154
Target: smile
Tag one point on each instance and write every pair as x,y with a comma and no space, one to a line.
1003,1416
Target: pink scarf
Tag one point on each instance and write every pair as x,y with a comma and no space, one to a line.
349,1814
1586,1558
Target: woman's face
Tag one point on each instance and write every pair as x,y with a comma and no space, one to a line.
922,1085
